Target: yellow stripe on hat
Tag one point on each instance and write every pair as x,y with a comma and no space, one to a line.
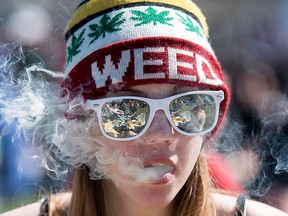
96,6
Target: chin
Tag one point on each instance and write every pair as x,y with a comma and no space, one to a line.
155,196
156,201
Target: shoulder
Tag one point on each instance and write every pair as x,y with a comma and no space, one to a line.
226,205
28,210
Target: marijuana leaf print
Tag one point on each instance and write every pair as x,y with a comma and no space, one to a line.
190,26
106,24
151,16
74,49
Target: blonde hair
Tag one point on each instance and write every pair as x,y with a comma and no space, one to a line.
192,200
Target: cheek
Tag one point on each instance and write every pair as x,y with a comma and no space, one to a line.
189,151
117,160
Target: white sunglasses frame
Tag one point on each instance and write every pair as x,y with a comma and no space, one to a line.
155,105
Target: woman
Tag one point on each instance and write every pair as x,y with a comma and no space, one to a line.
150,54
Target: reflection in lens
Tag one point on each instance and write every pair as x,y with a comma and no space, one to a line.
193,113
124,118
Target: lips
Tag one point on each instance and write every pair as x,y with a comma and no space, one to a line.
159,162
160,171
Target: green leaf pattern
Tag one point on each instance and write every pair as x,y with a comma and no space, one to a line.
151,16
189,25
107,24
74,49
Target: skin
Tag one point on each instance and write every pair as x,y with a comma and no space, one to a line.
126,198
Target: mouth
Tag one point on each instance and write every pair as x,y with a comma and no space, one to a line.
160,173
161,167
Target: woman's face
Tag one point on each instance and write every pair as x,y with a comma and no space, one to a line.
152,169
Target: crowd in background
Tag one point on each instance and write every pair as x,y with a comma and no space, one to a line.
250,39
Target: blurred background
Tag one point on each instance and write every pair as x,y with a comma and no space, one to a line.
38,26
250,39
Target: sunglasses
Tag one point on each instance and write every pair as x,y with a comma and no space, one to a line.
126,118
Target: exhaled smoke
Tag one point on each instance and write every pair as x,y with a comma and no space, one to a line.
65,133
273,148
36,110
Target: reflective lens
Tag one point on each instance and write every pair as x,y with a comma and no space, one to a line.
124,117
128,117
193,113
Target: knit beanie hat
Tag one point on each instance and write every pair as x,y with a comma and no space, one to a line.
123,43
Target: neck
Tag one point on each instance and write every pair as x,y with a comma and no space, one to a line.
118,203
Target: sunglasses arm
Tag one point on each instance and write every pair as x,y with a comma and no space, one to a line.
92,105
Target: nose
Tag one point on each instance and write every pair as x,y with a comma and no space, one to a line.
160,131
